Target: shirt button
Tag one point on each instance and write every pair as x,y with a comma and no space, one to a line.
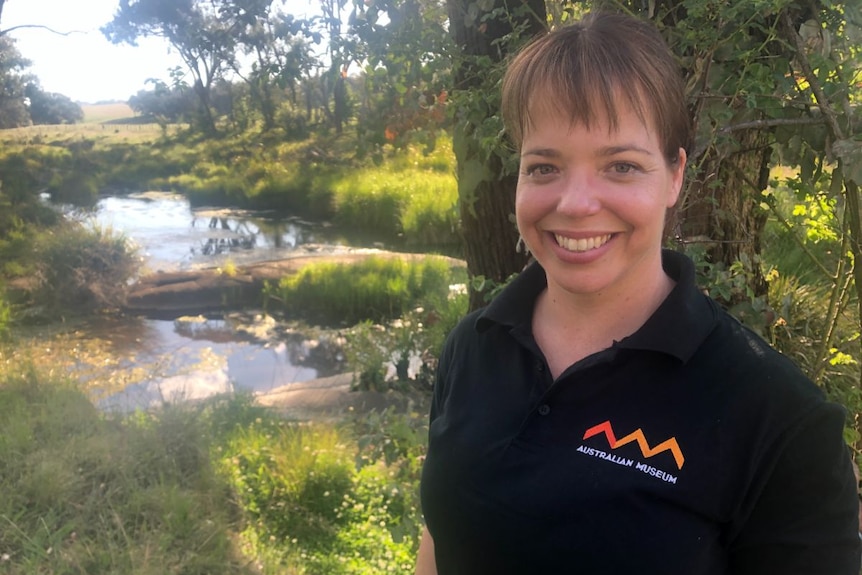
544,409
540,366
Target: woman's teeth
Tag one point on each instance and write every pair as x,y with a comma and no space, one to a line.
582,244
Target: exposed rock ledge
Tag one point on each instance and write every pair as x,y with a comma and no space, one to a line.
333,398
170,294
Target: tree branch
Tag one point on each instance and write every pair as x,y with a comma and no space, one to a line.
772,122
69,33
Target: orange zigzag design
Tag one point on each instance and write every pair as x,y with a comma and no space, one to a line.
638,436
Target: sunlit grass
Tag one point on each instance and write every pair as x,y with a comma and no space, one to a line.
408,196
219,487
98,113
86,493
375,289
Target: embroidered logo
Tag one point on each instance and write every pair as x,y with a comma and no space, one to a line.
637,436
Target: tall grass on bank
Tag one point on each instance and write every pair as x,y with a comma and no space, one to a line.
81,267
315,503
375,289
219,487
86,494
409,195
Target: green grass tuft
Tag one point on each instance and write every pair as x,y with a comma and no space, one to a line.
374,289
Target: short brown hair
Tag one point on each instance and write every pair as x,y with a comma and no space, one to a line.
587,66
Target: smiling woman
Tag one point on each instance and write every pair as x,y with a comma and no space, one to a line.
72,57
602,415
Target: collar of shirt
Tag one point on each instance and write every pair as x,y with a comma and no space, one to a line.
678,327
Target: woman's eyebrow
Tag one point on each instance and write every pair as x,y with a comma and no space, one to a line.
623,148
543,152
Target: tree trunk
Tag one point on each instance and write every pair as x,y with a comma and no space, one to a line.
486,203
490,235
205,114
339,102
721,210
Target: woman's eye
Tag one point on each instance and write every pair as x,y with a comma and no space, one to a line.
623,168
540,170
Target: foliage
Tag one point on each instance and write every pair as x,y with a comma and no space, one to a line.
13,82
405,52
404,353
374,288
51,108
79,269
85,493
310,507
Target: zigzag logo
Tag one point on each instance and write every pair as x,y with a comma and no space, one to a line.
638,436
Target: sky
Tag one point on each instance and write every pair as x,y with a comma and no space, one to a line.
84,65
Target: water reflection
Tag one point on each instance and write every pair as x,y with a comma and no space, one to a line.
196,357
156,360
171,235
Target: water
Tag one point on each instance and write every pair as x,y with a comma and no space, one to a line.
171,236
196,357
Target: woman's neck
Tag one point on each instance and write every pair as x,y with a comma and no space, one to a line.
569,327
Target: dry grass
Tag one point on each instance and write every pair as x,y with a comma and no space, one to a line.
100,113
129,133
114,121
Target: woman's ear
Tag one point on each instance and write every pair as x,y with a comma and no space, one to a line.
677,177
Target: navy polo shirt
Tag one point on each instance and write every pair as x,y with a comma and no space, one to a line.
690,447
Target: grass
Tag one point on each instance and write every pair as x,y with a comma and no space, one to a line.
68,268
221,487
108,112
410,197
374,289
84,493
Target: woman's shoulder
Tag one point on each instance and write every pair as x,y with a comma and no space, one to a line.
743,368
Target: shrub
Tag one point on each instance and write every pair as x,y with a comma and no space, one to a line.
82,268
406,350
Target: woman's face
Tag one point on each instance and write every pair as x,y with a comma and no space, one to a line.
591,204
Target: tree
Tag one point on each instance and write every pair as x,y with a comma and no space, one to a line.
51,108
196,29
340,56
13,83
280,46
484,33
405,50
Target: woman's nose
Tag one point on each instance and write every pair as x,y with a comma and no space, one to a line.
579,195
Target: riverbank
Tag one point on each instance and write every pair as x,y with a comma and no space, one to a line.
170,294
222,486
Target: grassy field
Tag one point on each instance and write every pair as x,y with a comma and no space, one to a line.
101,113
114,121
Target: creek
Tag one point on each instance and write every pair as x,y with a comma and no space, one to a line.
157,360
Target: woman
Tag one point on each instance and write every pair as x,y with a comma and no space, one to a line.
602,415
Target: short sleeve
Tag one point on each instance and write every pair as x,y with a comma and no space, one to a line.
804,519
443,364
